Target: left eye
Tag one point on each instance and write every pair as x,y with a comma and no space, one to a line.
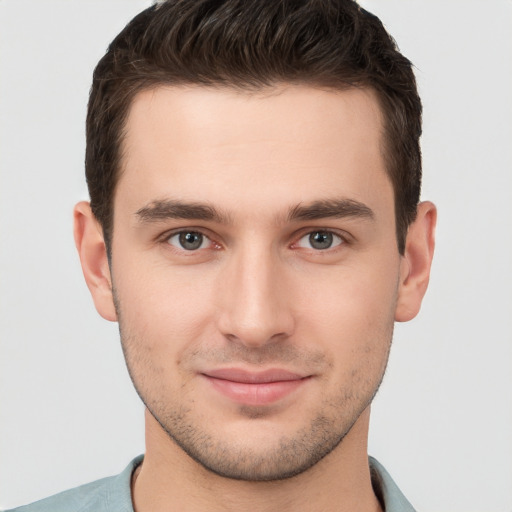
189,240
320,240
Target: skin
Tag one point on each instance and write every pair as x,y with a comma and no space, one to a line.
258,294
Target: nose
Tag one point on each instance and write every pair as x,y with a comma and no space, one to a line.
255,303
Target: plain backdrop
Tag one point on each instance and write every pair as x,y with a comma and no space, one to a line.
442,421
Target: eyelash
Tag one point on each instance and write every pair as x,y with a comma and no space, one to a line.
343,239
329,232
167,238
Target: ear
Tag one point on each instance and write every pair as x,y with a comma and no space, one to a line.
415,263
91,248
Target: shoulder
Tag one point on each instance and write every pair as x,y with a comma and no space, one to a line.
390,496
87,497
111,494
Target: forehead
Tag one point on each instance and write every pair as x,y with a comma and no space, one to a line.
286,143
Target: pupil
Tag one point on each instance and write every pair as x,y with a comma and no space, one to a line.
191,240
320,240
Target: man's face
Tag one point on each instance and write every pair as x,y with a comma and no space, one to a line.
255,270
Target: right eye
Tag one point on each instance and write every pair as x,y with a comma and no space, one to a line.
189,240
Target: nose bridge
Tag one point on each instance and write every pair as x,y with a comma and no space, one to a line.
254,306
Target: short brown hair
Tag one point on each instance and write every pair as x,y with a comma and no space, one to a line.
251,45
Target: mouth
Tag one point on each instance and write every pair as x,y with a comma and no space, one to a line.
255,388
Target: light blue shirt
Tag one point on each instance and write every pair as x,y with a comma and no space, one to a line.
113,494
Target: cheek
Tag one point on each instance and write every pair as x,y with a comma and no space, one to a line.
165,310
352,312
160,327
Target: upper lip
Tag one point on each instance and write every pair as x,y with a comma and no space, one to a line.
251,377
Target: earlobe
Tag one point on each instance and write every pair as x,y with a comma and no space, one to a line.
91,248
416,262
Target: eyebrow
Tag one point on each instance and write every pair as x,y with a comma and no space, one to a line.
173,209
330,208
161,210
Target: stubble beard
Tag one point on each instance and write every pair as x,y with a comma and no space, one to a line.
286,458
280,459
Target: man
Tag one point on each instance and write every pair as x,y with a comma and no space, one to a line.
255,229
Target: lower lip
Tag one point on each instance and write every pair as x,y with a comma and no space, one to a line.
262,393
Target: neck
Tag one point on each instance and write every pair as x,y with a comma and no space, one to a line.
169,480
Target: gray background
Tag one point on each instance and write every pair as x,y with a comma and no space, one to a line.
442,421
